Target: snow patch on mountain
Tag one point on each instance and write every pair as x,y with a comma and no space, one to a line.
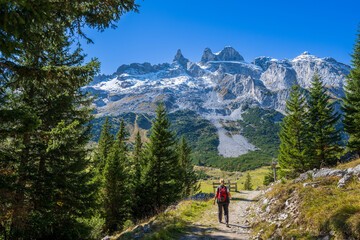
217,87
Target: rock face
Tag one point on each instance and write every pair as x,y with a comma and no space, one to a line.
283,206
345,176
217,87
328,172
227,54
180,58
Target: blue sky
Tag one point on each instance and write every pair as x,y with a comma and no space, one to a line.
279,29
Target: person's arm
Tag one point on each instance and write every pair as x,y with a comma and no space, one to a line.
229,194
216,195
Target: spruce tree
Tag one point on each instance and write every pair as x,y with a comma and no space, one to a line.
44,116
294,137
50,156
137,158
248,182
322,120
351,106
105,144
269,177
117,196
162,168
137,164
188,177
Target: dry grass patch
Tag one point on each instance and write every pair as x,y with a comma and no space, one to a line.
321,210
347,165
257,177
173,223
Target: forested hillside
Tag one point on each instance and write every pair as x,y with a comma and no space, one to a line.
259,126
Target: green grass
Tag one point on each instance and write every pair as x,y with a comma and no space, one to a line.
257,177
173,223
259,126
324,209
348,164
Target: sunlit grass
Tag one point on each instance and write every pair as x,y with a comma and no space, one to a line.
173,223
349,164
322,210
257,177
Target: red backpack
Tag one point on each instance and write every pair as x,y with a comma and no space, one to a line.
222,194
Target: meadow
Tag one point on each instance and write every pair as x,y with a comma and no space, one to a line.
206,186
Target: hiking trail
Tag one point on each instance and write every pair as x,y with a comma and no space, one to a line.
239,227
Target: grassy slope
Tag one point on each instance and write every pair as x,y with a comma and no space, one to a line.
323,209
214,174
173,223
258,127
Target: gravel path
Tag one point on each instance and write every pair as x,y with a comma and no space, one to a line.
209,228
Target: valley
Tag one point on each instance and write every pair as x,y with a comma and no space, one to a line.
227,108
259,126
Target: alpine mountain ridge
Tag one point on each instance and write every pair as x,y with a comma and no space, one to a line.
217,87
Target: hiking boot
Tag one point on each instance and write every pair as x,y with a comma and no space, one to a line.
220,222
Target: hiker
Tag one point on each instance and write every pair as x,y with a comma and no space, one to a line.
223,197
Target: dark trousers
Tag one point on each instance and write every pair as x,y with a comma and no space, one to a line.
226,211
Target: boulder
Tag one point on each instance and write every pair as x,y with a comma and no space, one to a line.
327,172
304,176
355,171
343,181
314,184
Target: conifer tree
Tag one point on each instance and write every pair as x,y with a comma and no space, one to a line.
117,196
162,168
44,115
105,144
294,137
137,158
50,156
188,177
351,101
248,182
136,173
269,177
322,120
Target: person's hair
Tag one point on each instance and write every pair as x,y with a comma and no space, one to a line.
222,181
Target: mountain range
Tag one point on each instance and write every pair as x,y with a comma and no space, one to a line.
220,88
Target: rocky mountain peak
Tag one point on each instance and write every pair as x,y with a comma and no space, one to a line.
306,56
207,56
227,54
217,86
180,58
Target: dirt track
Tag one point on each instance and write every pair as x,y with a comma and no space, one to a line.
209,228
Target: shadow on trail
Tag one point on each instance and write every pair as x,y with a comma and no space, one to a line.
243,199
205,232
238,226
